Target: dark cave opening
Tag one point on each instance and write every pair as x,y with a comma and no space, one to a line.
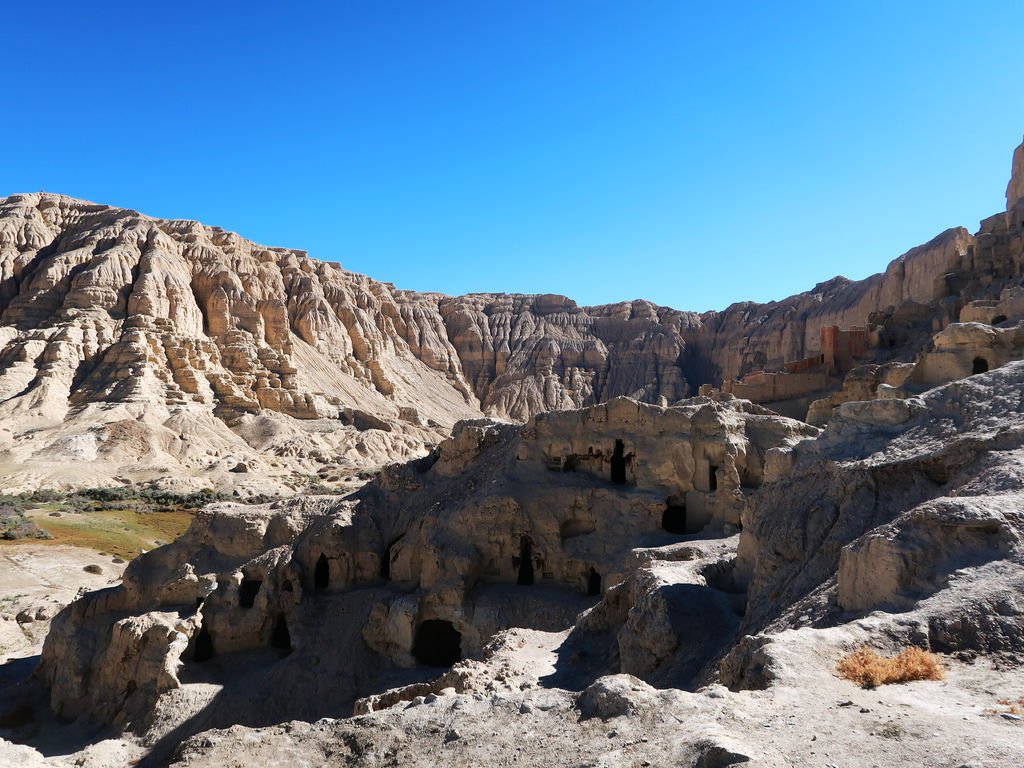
673,519
280,637
437,643
385,563
322,573
247,592
712,477
525,561
980,365
593,582
619,464
204,645
998,319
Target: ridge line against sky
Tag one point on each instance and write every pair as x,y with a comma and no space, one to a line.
691,155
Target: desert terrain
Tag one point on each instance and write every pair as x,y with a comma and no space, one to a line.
259,508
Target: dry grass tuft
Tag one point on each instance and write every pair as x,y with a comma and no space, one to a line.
869,670
1008,707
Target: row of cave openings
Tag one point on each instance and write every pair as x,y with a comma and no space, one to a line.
436,642
525,570
620,460
280,635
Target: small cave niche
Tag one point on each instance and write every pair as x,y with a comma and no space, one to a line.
712,478
385,562
322,573
593,582
280,637
437,643
980,365
574,527
525,577
721,576
204,645
571,463
619,464
287,586
673,519
998,319
247,592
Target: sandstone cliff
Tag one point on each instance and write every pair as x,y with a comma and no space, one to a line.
139,348
900,523
501,526
1015,189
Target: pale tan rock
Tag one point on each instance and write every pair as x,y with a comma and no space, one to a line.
1015,189
547,514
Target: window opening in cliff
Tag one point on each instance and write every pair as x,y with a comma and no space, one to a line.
998,319
247,592
980,365
385,563
204,645
281,637
712,477
322,573
673,519
525,561
575,527
619,464
593,582
437,643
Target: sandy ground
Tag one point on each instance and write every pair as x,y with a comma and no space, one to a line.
36,581
809,717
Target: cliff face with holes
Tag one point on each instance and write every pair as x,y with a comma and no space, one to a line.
177,349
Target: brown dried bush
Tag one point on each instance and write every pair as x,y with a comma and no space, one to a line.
869,670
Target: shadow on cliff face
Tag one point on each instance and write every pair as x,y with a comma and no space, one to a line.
26,718
668,638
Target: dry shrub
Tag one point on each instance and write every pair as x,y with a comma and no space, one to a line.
1006,706
869,670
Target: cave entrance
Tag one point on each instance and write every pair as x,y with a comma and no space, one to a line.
593,582
281,637
385,564
712,477
525,561
998,319
980,365
322,573
247,592
619,464
437,643
204,645
673,519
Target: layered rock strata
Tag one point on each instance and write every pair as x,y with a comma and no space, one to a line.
140,348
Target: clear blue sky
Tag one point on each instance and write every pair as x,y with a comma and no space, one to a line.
691,153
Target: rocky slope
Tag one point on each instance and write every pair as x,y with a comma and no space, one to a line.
137,349
900,524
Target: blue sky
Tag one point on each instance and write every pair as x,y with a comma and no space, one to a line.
691,153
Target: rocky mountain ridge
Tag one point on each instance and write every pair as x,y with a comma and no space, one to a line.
174,348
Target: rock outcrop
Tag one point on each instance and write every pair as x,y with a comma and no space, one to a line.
1015,189
134,348
900,504
501,527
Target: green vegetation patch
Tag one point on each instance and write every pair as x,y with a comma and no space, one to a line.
120,521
